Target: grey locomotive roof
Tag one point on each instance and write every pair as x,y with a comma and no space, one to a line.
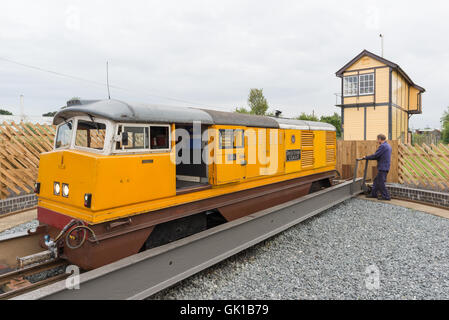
303,125
123,112
241,119
292,124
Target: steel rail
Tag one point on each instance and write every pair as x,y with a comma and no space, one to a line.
146,273
7,295
14,236
5,277
22,273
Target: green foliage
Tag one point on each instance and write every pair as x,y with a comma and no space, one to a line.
307,117
257,103
5,112
31,128
334,120
427,138
50,114
242,110
445,126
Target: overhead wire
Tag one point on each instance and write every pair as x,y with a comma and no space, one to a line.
98,83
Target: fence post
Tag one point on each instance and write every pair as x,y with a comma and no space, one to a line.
2,185
394,171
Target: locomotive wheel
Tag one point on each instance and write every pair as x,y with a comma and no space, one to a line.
177,229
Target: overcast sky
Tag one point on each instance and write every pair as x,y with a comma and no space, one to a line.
210,53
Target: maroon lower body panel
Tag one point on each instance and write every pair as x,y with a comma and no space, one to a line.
111,244
52,218
120,238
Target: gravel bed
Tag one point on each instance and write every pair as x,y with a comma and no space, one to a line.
46,274
21,228
336,255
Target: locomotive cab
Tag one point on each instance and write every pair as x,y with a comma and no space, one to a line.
100,164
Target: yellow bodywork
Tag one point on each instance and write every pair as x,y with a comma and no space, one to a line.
130,184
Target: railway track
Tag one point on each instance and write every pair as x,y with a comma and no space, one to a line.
20,281
17,245
15,280
144,274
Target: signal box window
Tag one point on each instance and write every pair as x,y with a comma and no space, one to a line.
90,134
366,83
159,136
351,84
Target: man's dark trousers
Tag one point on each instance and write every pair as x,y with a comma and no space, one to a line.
379,185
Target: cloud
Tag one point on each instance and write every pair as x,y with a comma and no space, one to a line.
213,52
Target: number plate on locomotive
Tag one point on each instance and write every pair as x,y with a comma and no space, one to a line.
293,155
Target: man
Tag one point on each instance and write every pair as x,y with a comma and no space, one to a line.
383,157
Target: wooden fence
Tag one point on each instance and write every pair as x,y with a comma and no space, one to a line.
424,166
20,147
421,166
349,151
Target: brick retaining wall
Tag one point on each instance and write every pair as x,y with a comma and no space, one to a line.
17,203
439,199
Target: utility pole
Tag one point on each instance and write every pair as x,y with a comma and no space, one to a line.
382,44
107,79
22,112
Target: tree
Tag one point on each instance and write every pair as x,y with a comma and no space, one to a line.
242,110
5,112
257,103
50,114
334,120
307,117
445,126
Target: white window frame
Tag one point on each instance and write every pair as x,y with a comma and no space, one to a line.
345,86
360,82
357,93
71,137
144,150
107,139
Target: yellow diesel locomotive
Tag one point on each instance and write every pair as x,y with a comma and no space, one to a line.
123,177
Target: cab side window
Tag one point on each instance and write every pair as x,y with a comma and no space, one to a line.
137,138
159,136
145,137
64,135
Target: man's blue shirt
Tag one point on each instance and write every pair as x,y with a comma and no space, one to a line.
383,157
